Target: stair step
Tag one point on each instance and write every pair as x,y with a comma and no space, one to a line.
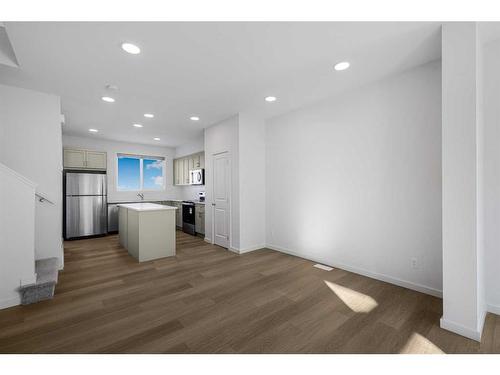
46,270
37,293
46,279
47,264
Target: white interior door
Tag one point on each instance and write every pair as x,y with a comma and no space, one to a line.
221,194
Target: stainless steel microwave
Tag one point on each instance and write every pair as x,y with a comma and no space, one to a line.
197,177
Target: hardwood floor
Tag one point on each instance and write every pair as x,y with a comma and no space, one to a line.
209,300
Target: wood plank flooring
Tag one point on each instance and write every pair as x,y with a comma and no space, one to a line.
209,300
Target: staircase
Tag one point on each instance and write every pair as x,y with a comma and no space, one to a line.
24,279
46,280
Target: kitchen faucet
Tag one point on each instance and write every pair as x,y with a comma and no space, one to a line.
141,195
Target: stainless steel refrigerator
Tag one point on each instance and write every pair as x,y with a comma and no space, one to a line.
85,212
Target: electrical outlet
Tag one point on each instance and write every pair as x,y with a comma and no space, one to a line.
414,263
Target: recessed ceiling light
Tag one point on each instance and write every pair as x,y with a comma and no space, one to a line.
156,138
194,118
342,65
149,115
270,98
138,125
108,99
131,48
93,130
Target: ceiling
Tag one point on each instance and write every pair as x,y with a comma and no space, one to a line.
212,70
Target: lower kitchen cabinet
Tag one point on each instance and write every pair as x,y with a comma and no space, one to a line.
178,212
199,218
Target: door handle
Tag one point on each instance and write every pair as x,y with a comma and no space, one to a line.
213,204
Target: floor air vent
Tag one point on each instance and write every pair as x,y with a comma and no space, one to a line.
323,267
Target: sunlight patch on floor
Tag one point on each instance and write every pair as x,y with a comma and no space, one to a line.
356,301
418,344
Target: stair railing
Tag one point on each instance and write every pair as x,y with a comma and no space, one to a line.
42,198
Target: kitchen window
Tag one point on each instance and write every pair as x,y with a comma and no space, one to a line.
140,173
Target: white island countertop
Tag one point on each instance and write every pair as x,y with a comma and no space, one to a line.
146,206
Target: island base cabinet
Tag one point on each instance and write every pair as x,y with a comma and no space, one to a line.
133,232
123,226
151,235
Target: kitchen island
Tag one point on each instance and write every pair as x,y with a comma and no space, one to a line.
147,230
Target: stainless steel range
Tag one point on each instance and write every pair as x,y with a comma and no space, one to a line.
188,217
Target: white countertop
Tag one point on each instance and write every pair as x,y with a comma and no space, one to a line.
143,201
152,201
146,207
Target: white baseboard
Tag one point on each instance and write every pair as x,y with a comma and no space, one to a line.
460,329
9,302
61,260
252,248
240,251
247,249
481,323
378,276
494,309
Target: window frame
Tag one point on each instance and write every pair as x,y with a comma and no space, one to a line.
141,171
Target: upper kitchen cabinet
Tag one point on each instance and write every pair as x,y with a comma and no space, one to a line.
185,171
177,174
84,159
183,165
74,158
181,172
96,160
198,160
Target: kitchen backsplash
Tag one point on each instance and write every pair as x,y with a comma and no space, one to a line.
191,192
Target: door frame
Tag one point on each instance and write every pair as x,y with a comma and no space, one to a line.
230,160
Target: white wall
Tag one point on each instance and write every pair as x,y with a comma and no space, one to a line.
193,147
113,148
463,304
252,171
31,145
196,145
354,181
223,137
491,93
480,180
243,136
